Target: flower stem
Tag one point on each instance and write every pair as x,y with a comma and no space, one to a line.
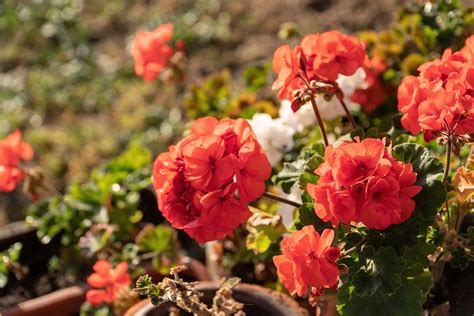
352,249
320,121
279,198
348,113
448,159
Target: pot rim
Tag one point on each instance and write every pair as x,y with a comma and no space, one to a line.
144,306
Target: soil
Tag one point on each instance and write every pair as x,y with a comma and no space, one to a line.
38,281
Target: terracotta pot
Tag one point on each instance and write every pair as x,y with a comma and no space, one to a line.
67,302
64,302
258,301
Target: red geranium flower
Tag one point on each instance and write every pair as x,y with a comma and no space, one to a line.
151,51
221,213
362,182
332,53
204,182
12,152
308,261
320,58
468,50
107,282
440,101
287,67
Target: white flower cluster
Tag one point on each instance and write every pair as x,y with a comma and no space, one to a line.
276,135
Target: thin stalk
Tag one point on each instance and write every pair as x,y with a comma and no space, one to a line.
352,249
348,113
448,215
348,225
448,159
320,121
279,198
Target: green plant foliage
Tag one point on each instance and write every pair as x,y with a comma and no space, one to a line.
100,310
209,98
381,272
161,242
256,76
111,196
8,260
407,300
265,230
289,175
301,170
214,97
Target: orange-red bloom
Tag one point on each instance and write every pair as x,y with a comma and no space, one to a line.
321,57
468,50
12,152
308,261
204,182
332,53
441,98
107,282
361,182
152,52
287,67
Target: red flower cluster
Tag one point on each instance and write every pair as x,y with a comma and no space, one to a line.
320,57
441,97
361,182
374,95
204,182
12,152
107,282
308,260
152,52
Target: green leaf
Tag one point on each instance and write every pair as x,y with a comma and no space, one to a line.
289,175
3,279
256,76
7,258
14,251
160,239
406,301
260,242
308,175
429,200
428,168
381,272
401,235
300,171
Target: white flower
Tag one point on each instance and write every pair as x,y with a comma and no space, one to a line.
286,211
304,117
274,136
329,109
349,84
